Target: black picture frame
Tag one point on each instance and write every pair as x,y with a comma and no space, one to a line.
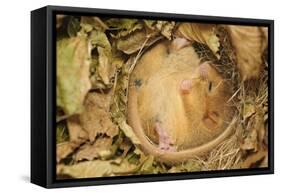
43,85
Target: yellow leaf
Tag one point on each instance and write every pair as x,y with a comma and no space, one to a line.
105,68
129,132
73,81
96,168
100,148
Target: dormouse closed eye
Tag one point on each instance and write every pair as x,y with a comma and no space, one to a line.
210,86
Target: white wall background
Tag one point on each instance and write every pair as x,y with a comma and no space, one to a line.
15,94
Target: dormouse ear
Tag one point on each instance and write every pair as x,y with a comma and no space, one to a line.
179,43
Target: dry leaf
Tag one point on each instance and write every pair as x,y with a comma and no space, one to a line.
105,69
96,118
64,149
87,169
92,151
254,159
251,141
249,43
96,168
189,166
147,165
73,81
76,132
90,23
121,24
264,162
164,27
59,20
202,33
96,122
255,138
128,131
77,136
125,146
124,26
62,134
135,41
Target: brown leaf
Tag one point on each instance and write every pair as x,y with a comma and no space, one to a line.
249,43
105,69
128,131
76,132
256,160
77,136
59,20
251,141
64,149
135,41
254,140
96,118
92,151
96,168
125,146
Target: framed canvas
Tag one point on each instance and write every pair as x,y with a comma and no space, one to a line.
126,96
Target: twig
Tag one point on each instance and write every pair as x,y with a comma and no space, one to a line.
138,55
234,94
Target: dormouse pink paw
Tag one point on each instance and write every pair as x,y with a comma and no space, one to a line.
203,70
165,142
186,86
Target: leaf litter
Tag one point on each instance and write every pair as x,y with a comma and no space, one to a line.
94,60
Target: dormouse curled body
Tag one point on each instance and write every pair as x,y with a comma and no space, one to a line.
177,106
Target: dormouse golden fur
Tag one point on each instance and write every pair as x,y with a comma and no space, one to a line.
176,101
